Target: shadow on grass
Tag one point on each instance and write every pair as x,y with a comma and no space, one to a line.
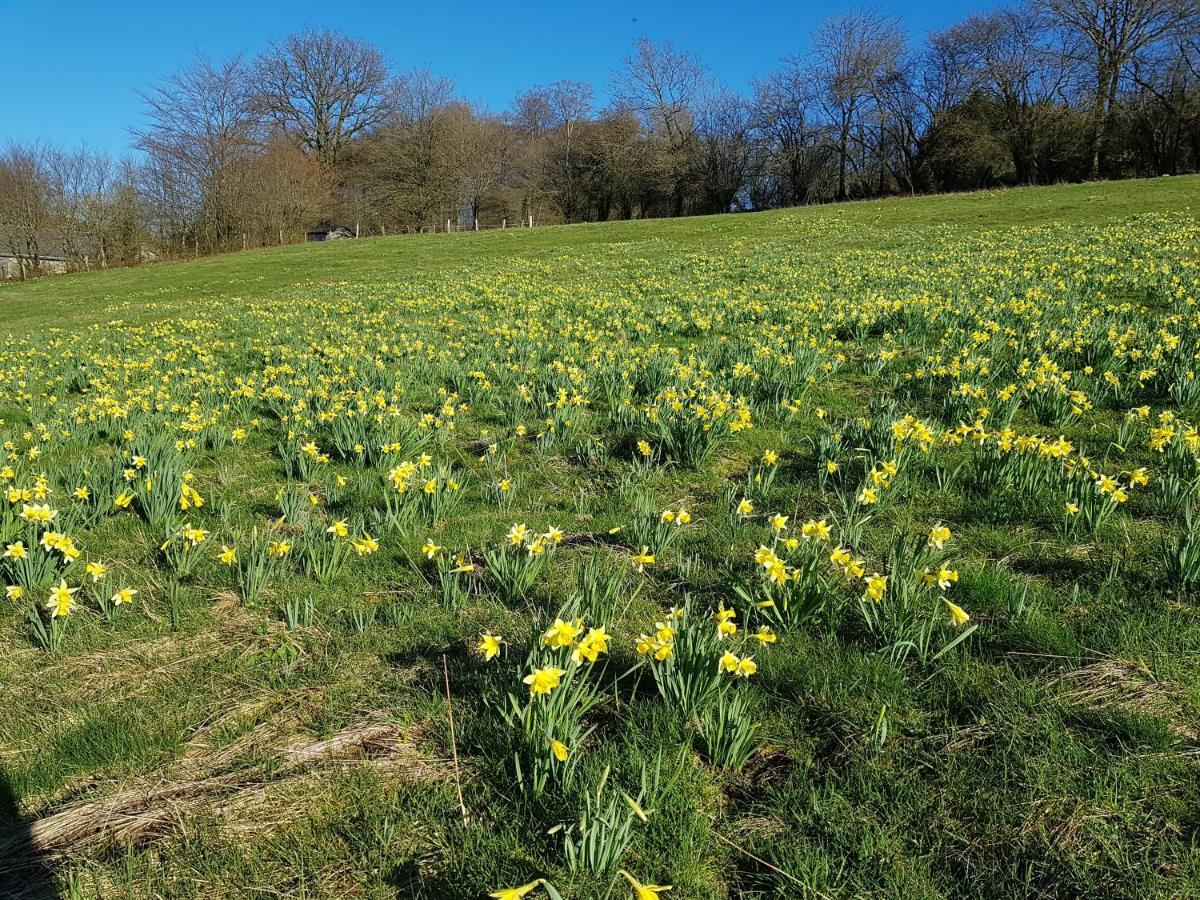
26,873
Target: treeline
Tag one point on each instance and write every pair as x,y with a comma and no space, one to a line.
320,129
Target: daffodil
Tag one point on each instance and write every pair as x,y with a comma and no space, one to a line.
815,530
876,585
365,545
544,680
561,634
938,536
642,559
589,648
514,893
942,577
123,596
958,615
489,645
644,891
61,601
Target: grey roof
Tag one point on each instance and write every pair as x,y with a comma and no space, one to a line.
50,244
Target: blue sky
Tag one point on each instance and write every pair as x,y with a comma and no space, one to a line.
76,77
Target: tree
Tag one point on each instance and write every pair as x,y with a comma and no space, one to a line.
476,151
1109,35
570,103
26,205
663,84
287,191
723,131
202,127
323,88
403,165
790,151
856,53
1164,115
1008,58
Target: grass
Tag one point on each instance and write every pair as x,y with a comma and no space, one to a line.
157,291
201,744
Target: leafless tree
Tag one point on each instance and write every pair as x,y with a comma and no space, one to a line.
1110,35
288,190
791,153
855,54
403,165
323,88
663,85
202,127
723,130
476,153
570,102
1007,55
26,204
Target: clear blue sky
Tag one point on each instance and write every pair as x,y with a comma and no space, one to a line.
71,70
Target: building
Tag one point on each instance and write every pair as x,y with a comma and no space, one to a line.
47,256
56,253
328,233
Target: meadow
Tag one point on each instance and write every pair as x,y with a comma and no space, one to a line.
834,552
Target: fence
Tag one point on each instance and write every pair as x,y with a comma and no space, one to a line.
527,222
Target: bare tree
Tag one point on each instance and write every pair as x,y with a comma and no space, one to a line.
723,130
417,95
546,120
476,152
1007,56
663,85
287,191
26,204
403,165
202,127
323,88
1109,35
792,154
855,54
570,102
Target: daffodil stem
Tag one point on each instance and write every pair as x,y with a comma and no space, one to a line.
454,745
773,868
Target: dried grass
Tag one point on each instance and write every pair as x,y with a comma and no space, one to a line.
1127,686
151,809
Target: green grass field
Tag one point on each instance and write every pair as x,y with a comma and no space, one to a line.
833,552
